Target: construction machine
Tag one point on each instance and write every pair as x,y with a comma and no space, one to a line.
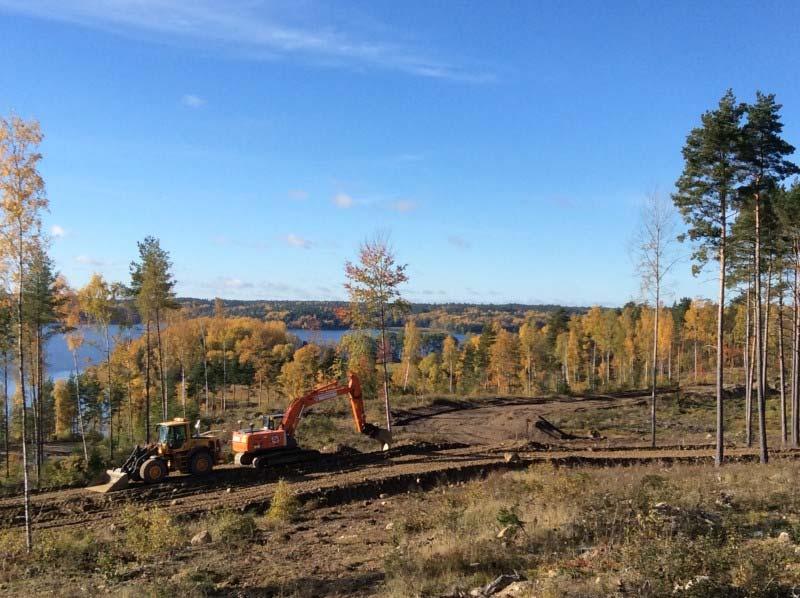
177,449
275,443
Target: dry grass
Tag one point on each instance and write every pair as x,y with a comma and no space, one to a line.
643,530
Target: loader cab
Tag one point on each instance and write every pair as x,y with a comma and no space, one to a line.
272,421
173,434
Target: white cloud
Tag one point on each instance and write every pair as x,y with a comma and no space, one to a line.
57,232
459,242
252,30
403,206
192,101
342,200
90,261
236,284
298,194
297,241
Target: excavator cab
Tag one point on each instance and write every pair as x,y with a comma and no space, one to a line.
272,421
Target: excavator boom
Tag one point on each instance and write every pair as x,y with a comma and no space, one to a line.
248,444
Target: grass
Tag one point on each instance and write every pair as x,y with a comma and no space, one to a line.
642,529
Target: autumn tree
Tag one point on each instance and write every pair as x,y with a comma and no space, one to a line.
299,375
65,409
410,356
504,360
450,360
705,194
97,301
23,199
374,289
655,257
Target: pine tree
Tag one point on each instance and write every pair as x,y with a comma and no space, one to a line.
763,154
706,192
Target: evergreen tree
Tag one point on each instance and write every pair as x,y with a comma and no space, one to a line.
706,193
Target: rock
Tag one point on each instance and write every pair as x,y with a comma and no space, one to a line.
506,532
517,589
784,538
382,496
203,537
511,457
229,490
389,526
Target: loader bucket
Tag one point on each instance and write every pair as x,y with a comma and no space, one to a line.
116,480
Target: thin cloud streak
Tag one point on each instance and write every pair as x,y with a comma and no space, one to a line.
250,33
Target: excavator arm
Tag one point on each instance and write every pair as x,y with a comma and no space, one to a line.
297,407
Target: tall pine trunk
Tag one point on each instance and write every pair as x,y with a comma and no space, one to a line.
760,387
796,348
147,382
161,373
719,456
748,372
781,364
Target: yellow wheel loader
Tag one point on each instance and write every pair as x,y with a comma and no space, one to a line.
177,449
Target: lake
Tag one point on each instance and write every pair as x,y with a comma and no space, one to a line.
59,359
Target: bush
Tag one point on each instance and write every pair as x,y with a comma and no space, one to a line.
230,526
150,531
284,505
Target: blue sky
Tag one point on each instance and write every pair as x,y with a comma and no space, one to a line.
506,146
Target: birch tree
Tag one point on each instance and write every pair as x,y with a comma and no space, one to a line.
656,256
374,290
23,199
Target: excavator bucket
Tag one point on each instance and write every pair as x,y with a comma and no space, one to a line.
384,437
116,479
379,434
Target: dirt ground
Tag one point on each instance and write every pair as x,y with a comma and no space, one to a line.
339,544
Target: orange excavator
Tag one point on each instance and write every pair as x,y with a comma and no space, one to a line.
275,443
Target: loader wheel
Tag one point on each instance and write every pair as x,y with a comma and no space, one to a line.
200,463
153,470
260,463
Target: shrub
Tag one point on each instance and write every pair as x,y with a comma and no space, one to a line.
150,531
229,525
284,505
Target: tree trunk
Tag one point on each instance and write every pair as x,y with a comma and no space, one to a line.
765,342
719,456
224,371
385,371
21,366
655,361
781,364
78,404
760,389
205,365
748,372
5,411
796,349
183,388
147,382
161,372
110,405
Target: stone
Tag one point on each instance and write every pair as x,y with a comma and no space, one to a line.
203,537
389,526
784,538
517,589
506,532
511,457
